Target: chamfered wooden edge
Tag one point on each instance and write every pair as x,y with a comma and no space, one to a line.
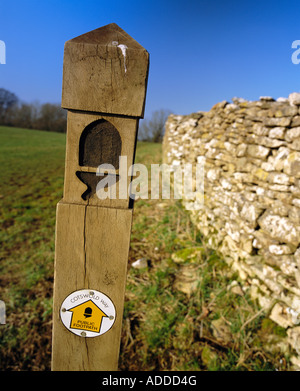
105,71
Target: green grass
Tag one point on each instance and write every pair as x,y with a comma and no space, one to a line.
31,178
163,328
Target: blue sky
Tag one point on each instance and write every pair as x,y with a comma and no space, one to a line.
201,52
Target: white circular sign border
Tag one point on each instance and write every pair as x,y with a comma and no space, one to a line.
109,310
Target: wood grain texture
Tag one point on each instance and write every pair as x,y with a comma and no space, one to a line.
100,143
92,245
104,88
99,76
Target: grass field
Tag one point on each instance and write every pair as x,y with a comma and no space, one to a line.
211,328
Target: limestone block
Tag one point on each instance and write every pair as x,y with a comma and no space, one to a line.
280,316
282,195
278,158
280,208
294,215
288,284
265,141
221,331
220,105
296,202
212,153
280,228
233,230
294,340
294,99
258,151
295,145
278,178
295,360
292,134
295,303
283,121
295,121
261,130
267,166
225,184
284,111
187,279
292,164
213,174
246,245
279,187
282,100
243,165
241,150
261,174
250,212
288,265
250,196
281,249
277,132
268,276
271,142
266,98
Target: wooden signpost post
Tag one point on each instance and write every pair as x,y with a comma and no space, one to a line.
104,87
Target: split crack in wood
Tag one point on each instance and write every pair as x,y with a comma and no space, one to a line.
84,241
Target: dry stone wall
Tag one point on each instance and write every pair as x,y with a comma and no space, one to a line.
251,209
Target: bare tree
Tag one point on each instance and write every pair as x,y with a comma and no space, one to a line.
153,129
47,116
23,116
8,100
52,118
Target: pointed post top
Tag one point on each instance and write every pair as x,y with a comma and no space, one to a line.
105,35
105,71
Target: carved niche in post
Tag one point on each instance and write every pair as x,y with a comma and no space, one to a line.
100,143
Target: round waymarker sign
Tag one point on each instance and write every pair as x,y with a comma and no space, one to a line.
88,313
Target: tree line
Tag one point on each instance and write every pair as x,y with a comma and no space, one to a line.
51,117
46,116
